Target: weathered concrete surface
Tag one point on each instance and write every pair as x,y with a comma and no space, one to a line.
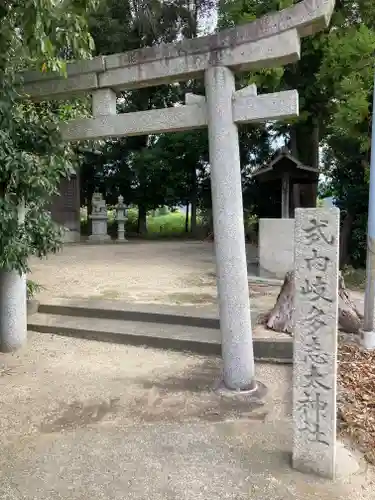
178,274
267,346
271,40
276,246
84,420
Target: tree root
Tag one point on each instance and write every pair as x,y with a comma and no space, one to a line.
281,317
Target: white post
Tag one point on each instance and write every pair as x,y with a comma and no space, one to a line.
13,306
231,264
368,331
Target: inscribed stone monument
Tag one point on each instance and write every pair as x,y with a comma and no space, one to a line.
315,340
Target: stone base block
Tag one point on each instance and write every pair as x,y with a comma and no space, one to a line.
346,465
276,246
32,307
254,395
72,236
99,237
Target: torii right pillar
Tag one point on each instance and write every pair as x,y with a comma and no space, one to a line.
230,249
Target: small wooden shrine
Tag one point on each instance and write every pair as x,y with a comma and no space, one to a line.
298,182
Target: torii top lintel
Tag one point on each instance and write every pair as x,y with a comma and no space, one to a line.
269,41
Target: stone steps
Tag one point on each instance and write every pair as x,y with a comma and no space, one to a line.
190,329
202,317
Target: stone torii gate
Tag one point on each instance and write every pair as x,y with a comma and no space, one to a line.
271,41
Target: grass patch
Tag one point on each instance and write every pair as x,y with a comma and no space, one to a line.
169,224
32,289
160,225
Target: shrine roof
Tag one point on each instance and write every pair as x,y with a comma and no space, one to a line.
281,161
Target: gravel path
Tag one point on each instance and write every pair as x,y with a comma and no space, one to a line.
177,272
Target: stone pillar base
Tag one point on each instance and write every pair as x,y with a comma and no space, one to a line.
72,236
367,339
99,237
253,395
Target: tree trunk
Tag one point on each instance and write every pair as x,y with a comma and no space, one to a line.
210,221
187,218
344,240
293,142
304,144
194,197
193,218
315,140
142,219
89,211
280,318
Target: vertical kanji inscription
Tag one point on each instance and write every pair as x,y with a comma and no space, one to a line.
315,340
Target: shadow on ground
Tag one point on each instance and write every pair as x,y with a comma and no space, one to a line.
190,395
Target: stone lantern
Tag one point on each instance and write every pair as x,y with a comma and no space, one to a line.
121,218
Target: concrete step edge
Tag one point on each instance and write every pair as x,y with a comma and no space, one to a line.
265,349
144,313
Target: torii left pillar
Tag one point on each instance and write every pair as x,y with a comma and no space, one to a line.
13,307
227,206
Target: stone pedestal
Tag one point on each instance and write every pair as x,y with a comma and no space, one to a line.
72,232
99,218
99,229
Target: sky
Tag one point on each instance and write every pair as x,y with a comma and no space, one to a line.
209,24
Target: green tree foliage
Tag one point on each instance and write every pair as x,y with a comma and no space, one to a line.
335,82
346,74
39,31
145,169
33,158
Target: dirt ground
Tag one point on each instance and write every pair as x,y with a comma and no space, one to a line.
85,420
177,272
